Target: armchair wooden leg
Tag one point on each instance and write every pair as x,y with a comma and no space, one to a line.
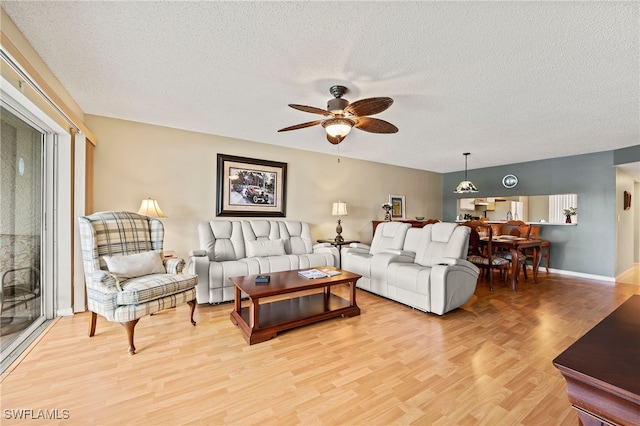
192,303
92,324
129,326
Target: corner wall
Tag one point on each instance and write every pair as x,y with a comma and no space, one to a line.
135,161
590,246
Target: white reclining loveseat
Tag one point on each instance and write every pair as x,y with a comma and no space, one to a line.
430,272
232,248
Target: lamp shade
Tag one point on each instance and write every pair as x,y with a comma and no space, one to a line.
339,209
150,207
465,186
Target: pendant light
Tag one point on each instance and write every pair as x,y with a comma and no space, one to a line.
465,186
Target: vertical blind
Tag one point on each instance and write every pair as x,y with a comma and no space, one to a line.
557,204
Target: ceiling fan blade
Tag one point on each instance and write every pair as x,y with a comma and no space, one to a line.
301,126
310,109
369,106
335,139
375,125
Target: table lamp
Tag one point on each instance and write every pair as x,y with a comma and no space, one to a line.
339,209
150,208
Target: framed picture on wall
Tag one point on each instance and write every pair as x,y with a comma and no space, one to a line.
627,200
250,187
398,206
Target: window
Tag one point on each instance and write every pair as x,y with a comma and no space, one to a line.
557,205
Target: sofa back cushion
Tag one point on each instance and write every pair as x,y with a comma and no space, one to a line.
253,230
440,240
389,235
222,240
296,236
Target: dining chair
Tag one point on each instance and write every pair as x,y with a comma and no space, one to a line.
481,253
545,246
520,229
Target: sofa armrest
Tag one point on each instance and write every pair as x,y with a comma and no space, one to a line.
444,261
403,253
453,282
174,265
199,265
329,249
105,282
359,246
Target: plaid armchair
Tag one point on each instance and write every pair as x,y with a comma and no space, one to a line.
112,239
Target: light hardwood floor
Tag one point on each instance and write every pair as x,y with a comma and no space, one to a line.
489,362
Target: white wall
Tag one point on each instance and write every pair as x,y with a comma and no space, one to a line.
135,161
627,228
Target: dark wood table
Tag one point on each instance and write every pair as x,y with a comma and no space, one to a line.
602,369
260,322
414,223
516,247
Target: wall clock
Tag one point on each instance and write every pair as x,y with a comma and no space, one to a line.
509,181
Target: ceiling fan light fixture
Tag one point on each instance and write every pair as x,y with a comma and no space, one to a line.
466,185
338,127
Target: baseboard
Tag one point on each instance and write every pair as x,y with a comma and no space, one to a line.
611,280
66,312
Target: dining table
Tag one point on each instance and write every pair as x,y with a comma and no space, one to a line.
516,246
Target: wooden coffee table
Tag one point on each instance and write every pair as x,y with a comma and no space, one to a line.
260,322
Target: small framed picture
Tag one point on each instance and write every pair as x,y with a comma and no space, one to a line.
627,200
398,206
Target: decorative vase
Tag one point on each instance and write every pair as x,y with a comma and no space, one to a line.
387,211
568,219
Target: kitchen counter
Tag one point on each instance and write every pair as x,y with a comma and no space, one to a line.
529,223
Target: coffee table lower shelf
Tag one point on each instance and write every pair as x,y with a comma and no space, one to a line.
290,313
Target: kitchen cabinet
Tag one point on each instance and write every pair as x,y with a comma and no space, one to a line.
467,204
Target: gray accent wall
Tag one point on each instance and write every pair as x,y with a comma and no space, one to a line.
588,247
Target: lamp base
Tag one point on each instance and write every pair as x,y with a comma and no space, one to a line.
338,238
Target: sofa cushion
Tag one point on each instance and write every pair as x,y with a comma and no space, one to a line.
222,240
441,240
296,236
135,265
264,248
389,236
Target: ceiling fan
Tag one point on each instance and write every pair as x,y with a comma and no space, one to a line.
342,116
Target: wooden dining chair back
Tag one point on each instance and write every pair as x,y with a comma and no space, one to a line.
516,228
481,253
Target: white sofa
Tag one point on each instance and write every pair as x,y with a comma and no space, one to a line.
231,248
428,272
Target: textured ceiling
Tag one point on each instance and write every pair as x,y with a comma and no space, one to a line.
507,81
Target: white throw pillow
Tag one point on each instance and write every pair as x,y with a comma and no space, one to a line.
264,248
135,265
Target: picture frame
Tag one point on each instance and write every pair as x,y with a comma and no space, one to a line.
627,200
250,187
398,206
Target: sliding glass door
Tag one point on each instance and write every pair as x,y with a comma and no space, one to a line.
21,229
